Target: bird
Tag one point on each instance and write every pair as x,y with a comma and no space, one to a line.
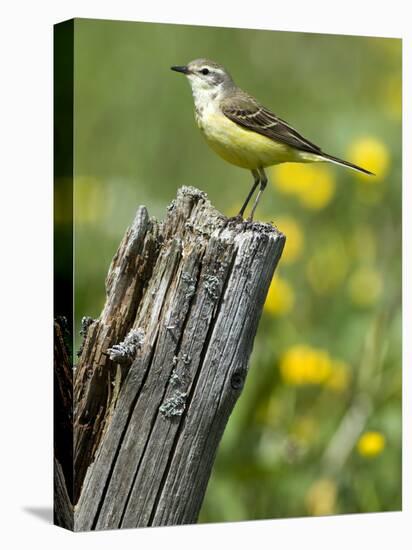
244,132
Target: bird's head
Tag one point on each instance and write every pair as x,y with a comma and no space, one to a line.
205,75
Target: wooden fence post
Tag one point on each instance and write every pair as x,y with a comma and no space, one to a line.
161,369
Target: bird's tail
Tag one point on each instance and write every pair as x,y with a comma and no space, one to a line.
337,160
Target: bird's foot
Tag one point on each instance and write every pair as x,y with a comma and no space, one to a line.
238,218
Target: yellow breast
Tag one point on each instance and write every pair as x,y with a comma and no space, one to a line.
239,146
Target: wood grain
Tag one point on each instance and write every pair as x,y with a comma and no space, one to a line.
162,368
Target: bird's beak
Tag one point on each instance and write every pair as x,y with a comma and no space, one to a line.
180,69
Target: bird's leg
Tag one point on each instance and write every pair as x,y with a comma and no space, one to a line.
263,182
256,181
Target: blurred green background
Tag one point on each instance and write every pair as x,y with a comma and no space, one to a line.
317,429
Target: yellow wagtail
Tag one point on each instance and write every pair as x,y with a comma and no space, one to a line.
243,132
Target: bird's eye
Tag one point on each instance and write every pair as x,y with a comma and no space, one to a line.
205,71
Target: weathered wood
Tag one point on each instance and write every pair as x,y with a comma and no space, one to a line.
163,366
129,272
63,428
63,512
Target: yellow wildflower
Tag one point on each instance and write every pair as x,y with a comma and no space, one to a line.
371,444
321,497
281,297
303,364
294,238
365,286
289,177
320,193
372,154
312,184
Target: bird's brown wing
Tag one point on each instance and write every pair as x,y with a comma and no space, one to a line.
246,112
